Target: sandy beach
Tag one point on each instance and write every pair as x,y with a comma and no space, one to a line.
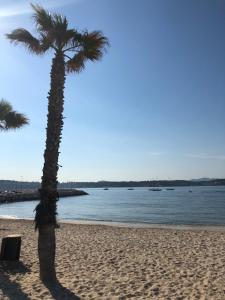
109,262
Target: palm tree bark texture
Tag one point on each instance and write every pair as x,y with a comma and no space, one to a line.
71,50
46,209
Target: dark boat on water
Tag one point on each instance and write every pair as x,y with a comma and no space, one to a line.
106,189
155,190
130,189
170,189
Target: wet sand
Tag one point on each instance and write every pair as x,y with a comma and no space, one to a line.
110,262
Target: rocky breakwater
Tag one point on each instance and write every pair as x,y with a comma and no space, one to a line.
30,195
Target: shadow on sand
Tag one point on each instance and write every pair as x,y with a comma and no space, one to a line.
13,291
59,292
8,288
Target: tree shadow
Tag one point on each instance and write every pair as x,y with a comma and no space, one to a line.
13,267
13,290
59,292
8,288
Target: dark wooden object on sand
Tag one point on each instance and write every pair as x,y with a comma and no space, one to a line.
10,249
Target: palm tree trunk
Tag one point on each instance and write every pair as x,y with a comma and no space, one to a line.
46,210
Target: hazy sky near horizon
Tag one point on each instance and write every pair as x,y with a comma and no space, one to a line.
153,108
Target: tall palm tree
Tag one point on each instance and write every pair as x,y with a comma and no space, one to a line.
9,118
72,49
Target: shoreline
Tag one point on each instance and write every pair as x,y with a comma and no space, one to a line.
145,225
128,225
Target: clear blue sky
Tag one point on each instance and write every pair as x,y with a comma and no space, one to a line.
153,108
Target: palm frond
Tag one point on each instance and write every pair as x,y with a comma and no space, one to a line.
10,119
5,108
53,27
61,21
14,120
46,41
87,46
74,40
23,36
43,19
67,38
94,45
61,32
76,63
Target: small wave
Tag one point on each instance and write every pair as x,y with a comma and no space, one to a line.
8,217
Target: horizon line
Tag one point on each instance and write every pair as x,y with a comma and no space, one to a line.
118,181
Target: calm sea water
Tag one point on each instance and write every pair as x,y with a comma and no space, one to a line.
202,206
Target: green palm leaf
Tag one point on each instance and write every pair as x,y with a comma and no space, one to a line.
10,119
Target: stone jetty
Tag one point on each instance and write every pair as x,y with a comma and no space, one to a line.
30,195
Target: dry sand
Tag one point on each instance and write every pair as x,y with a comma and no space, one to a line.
105,262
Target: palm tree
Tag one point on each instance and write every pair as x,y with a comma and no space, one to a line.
71,51
9,118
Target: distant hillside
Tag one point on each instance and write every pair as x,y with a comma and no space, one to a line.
203,179
18,185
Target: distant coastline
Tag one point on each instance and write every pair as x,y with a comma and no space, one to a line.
22,185
10,196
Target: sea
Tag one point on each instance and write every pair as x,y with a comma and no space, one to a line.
182,206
